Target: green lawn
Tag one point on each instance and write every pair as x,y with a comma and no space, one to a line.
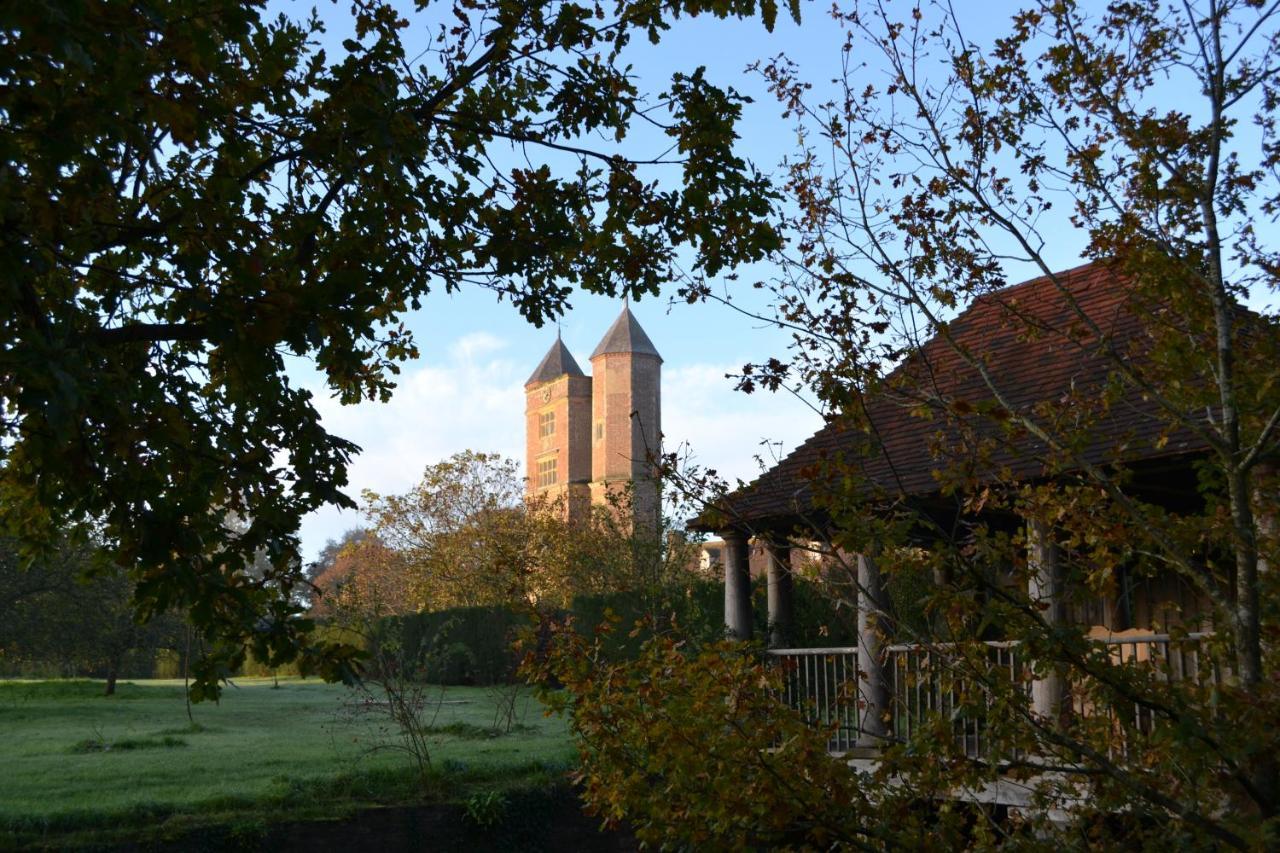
72,759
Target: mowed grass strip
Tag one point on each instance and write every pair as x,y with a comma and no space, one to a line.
73,758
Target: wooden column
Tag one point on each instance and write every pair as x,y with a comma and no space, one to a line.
1044,587
781,607
737,585
873,689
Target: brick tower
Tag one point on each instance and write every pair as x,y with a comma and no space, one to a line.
626,417
558,431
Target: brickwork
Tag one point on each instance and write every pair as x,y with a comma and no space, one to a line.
626,411
558,436
598,433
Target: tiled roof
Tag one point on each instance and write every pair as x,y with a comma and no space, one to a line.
1038,352
625,335
556,363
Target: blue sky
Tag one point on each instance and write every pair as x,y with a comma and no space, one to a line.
465,391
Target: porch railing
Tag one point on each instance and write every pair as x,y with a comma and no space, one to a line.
1167,659
822,685
925,684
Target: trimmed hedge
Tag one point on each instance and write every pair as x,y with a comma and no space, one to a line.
462,645
472,645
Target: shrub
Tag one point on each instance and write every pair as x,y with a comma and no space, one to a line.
455,664
487,809
702,726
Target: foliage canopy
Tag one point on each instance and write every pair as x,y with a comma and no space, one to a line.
466,535
1150,131
192,193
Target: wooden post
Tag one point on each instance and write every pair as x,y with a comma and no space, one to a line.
1044,587
780,593
873,689
737,585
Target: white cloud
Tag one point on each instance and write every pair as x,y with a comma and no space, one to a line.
726,429
474,398
475,344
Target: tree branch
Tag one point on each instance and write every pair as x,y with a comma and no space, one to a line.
150,333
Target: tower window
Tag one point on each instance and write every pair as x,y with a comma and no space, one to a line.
599,430
546,473
546,424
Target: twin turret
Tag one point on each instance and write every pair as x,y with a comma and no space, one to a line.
590,437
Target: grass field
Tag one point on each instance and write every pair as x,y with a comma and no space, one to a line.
72,760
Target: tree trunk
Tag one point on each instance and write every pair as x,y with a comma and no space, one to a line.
1050,696
113,671
1247,629
873,626
186,677
1263,769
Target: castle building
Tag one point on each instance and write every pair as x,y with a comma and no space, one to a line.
590,437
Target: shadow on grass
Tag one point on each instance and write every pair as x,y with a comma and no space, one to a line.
470,731
81,688
290,799
92,745
188,729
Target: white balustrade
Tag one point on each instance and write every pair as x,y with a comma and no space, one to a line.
926,680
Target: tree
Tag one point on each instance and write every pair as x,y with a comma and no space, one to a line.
192,192
336,566
913,193
367,581
466,535
332,552
690,750
75,615
457,539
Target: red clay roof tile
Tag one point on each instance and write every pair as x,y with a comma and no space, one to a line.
1037,349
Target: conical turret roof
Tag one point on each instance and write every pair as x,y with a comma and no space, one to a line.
556,363
625,335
